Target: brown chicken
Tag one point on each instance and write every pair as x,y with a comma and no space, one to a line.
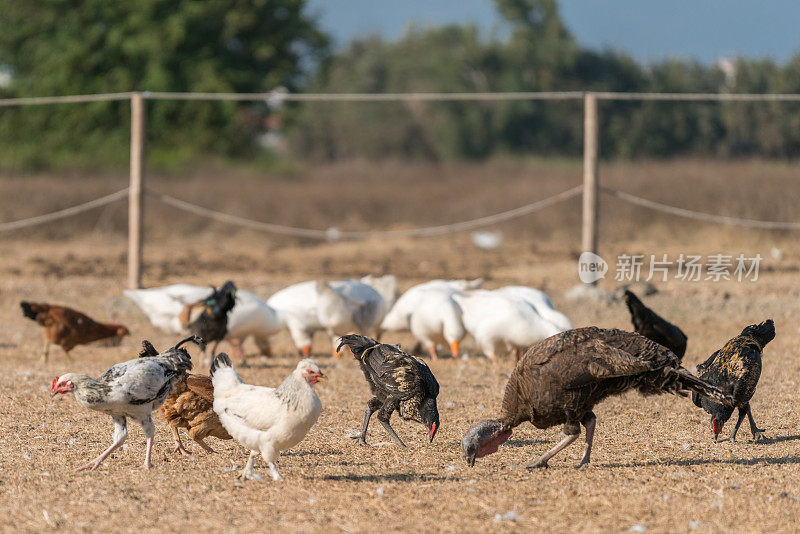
191,406
68,328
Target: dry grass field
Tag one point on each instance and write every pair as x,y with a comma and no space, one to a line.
654,465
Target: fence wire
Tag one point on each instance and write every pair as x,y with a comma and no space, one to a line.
333,234
697,215
278,96
67,212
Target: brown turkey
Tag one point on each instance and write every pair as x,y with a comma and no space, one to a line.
649,324
561,379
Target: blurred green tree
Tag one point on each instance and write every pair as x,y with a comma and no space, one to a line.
96,46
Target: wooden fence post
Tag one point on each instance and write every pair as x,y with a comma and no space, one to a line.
590,150
136,192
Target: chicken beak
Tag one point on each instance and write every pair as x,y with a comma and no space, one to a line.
321,377
432,431
53,394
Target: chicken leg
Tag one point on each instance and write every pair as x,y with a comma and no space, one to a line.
149,431
179,449
372,406
120,434
269,456
758,433
742,414
384,414
46,350
248,473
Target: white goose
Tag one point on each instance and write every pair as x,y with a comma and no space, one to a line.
251,316
428,311
501,322
541,303
337,307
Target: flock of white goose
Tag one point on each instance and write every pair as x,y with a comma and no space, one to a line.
437,312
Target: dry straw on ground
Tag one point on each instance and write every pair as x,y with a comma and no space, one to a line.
654,465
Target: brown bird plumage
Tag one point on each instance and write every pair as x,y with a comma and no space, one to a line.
68,328
190,406
649,324
735,369
561,379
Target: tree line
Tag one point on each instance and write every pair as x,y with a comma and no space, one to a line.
231,46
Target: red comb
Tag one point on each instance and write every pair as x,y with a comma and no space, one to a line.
55,381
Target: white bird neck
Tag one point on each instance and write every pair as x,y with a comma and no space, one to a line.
295,391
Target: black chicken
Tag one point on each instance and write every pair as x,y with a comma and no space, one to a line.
399,382
735,369
649,324
561,379
212,323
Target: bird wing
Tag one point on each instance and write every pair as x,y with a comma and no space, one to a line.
427,378
706,364
255,407
201,386
396,372
607,361
138,381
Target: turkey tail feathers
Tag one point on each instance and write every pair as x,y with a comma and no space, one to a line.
701,388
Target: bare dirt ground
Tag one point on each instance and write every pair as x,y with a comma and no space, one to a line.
654,464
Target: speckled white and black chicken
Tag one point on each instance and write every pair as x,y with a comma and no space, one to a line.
131,389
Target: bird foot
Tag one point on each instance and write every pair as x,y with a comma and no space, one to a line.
249,474
582,466
536,464
91,466
180,450
361,441
144,467
759,435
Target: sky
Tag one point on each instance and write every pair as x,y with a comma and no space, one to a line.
648,30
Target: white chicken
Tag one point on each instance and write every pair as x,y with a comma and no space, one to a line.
430,313
251,316
130,389
336,307
541,303
163,305
266,420
502,322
